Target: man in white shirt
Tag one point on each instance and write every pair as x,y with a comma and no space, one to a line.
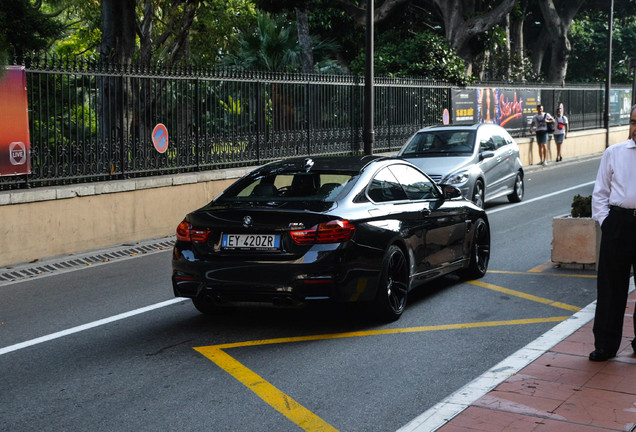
614,207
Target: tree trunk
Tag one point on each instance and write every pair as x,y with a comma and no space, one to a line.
538,53
118,30
117,48
461,23
558,23
508,47
516,33
302,23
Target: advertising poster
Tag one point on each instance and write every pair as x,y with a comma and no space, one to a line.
620,106
15,145
464,106
509,108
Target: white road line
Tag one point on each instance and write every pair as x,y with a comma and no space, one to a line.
90,325
509,207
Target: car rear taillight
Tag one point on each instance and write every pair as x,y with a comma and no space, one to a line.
336,231
185,232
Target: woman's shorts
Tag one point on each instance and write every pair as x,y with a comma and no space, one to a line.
542,137
558,138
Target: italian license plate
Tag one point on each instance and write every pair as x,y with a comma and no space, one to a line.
251,241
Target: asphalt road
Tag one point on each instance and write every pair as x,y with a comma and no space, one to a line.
69,359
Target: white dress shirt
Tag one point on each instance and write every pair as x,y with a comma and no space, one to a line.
616,180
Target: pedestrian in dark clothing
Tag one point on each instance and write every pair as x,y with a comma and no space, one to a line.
539,125
614,207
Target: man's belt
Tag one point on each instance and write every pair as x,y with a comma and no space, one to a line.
623,211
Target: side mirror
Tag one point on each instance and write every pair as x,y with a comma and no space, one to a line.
486,154
450,192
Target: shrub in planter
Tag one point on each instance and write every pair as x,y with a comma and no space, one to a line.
581,206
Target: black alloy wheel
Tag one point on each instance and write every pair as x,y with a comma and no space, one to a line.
478,194
517,195
479,252
393,287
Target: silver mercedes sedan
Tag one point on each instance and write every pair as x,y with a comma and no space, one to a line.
481,160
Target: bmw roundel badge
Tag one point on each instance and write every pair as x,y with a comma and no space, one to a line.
247,221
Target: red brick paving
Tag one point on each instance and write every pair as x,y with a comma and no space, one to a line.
562,391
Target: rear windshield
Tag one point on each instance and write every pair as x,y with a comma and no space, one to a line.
441,143
302,186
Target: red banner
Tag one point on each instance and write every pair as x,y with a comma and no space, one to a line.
15,144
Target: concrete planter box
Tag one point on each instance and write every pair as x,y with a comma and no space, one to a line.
575,242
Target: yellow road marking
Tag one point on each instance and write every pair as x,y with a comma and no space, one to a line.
542,274
284,404
307,420
301,416
540,268
382,332
525,296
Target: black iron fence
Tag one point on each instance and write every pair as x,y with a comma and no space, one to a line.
93,122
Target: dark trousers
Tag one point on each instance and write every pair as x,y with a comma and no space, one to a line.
616,260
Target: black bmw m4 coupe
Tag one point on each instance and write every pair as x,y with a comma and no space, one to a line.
345,229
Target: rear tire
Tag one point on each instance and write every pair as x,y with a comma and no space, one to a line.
517,195
393,286
206,305
479,252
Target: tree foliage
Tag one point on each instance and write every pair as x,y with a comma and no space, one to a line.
25,27
588,62
422,55
510,40
272,46
218,28
82,33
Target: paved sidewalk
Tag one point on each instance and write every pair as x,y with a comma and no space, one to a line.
562,390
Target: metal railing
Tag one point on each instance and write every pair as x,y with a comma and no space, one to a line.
92,122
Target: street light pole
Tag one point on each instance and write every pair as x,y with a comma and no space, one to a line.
608,80
368,134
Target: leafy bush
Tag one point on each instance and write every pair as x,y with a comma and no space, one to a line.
424,55
581,206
